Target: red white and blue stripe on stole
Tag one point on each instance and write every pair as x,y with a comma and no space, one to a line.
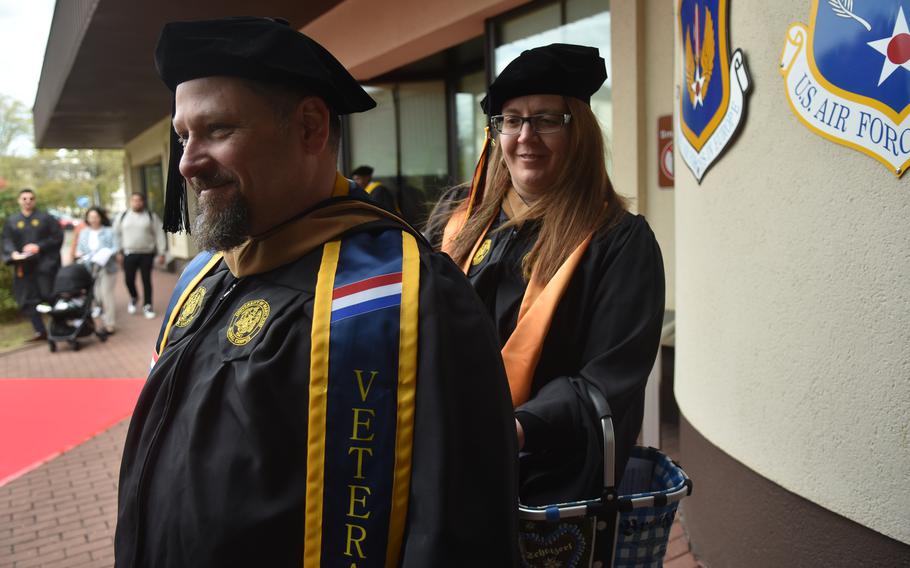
362,377
367,295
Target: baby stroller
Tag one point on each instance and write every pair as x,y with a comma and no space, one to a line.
627,526
71,311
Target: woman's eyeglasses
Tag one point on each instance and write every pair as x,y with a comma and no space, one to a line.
510,124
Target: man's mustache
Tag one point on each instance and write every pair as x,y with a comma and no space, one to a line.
200,183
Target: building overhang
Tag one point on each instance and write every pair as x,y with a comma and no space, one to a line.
99,87
386,39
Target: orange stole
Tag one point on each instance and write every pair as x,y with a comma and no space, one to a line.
522,350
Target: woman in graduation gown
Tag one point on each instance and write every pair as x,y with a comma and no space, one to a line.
573,281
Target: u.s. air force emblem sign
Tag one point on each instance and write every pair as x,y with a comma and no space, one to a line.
848,76
712,99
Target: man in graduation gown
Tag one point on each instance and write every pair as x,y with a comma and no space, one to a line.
407,202
326,391
381,194
31,245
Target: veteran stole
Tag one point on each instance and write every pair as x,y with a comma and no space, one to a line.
363,370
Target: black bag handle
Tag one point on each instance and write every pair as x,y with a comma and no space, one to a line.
602,408
608,498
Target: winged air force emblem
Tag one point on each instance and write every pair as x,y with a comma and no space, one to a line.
700,67
847,76
712,101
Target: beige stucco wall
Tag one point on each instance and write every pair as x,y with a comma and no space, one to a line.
660,209
149,147
642,71
628,144
793,302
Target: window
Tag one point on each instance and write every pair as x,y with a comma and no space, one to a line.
404,138
470,122
153,187
373,134
422,135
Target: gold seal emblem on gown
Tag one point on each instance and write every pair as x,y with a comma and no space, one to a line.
35,222
191,307
482,252
247,321
20,224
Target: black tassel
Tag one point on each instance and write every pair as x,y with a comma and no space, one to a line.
176,209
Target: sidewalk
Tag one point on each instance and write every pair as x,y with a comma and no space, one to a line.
62,514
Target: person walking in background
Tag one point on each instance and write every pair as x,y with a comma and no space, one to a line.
406,202
31,244
141,238
97,245
381,194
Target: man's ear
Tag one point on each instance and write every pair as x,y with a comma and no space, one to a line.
312,116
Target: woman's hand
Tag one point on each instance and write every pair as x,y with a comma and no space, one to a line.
521,434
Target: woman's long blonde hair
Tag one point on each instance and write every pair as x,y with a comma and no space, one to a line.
581,201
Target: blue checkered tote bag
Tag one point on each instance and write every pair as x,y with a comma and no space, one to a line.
651,489
626,527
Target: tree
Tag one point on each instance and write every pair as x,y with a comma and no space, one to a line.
15,122
60,176
57,176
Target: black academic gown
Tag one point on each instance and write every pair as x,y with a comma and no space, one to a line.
406,202
214,465
605,332
384,196
33,278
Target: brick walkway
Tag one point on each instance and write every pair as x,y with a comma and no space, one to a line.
678,554
62,514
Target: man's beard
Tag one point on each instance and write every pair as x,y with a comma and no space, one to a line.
221,223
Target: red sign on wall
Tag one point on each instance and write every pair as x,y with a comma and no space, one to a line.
665,151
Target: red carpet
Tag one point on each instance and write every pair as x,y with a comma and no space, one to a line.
42,418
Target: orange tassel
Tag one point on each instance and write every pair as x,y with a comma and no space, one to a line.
460,217
479,173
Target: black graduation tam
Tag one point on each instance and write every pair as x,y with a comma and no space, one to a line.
556,69
267,49
264,49
362,171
